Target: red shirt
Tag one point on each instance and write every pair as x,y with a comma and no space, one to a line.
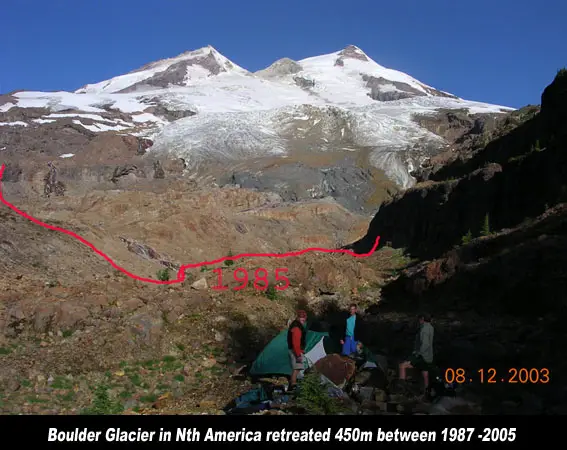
296,341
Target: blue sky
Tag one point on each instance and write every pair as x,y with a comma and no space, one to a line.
499,51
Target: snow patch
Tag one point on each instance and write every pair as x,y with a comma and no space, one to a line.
86,116
67,155
6,106
18,123
44,120
99,127
146,117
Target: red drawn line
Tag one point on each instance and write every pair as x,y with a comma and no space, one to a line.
181,272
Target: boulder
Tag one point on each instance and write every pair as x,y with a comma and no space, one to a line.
200,284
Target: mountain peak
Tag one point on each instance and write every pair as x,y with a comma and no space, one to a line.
282,67
352,51
200,51
181,70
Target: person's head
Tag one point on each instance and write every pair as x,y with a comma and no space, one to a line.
424,317
301,317
352,309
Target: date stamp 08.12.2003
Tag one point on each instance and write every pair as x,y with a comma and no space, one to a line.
514,375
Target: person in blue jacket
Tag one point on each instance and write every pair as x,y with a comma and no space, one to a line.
351,331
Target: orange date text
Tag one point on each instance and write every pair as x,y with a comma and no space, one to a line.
520,375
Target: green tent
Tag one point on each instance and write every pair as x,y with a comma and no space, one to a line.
274,359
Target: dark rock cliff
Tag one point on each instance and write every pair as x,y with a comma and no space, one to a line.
515,177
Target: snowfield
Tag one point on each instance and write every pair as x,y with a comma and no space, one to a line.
202,106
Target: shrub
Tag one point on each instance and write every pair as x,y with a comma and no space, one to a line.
467,238
102,403
271,293
485,231
313,397
163,275
229,262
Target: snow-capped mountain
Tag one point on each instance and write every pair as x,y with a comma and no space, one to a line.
183,70
200,106
348,77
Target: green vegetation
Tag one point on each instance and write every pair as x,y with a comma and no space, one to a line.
229,262
180,346
36,399
130,384
61,383
67,333
150,398
536,147
485,230
271,293
67,397
163,275
102,404
135,379
314,399
467,238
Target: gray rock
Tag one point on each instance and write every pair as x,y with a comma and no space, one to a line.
43,318
349,185
365,393
382,406
219,337
380,396
200,284
130,404
147,328
362,377
70,315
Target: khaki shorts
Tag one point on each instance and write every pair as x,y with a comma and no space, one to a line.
295,365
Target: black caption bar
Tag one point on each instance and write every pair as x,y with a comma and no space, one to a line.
206,431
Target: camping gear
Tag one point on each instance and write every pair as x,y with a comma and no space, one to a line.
337,368
261,398
254,400
440,388
274,359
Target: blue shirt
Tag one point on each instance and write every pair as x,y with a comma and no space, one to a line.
350,323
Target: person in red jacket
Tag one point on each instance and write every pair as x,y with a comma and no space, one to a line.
296,346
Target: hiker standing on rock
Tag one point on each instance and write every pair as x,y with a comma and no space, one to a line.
296,346
422,356
350,333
